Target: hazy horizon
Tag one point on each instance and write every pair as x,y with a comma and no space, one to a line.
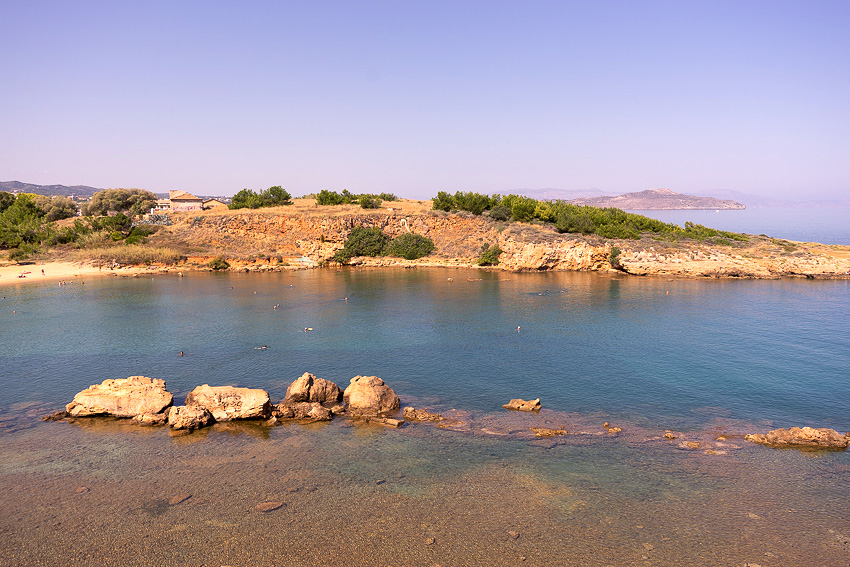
414,98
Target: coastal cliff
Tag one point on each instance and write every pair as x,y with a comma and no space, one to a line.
310,236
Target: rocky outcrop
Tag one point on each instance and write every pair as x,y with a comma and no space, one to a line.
523,405
123,397
802,437
308,388
369,395
227,403
189,417
295,238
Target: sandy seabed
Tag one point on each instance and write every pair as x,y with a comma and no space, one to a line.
106,492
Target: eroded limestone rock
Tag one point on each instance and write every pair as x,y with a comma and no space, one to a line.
802,437
369,394
123,397
523,405
189,417
302,410
227,403
308,388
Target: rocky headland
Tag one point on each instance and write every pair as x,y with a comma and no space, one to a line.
659,199
303,236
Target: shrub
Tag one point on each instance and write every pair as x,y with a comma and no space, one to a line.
410,246
363,242
490,255
219,263
325,197
369,202
614,258
500,213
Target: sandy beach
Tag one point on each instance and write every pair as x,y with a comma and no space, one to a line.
56,272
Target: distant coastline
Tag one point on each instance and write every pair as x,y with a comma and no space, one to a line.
659,199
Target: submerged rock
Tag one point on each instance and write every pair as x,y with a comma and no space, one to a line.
420,415
123,397
369,394
308,388
227,403
802,437
547,432
523,405
302,410
189,417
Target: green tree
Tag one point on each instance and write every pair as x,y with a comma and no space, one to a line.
130,201
56,208
443,202
6,200
272,197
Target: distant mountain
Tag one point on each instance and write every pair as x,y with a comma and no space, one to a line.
655,199
80,191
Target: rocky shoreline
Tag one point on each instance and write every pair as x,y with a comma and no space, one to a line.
367,399
283,239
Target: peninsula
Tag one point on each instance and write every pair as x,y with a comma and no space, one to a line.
307,235
659,199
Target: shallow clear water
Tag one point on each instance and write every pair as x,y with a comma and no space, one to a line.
702,358
629,347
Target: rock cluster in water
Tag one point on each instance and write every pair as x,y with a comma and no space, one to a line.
147,402
367,398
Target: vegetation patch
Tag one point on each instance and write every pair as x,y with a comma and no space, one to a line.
374,242
607,222
489,255
219,263
272,197
365,200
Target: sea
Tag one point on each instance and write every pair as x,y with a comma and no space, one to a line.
684,368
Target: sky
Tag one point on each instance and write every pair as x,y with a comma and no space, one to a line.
414,97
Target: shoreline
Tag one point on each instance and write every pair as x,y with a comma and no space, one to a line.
52,271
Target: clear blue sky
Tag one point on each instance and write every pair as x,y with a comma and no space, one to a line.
416,97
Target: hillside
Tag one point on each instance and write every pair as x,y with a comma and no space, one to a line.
304,235
79,191
654,199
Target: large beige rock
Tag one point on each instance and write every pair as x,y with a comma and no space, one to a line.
369,394
123,397
189,417
227,403
308,388
802,437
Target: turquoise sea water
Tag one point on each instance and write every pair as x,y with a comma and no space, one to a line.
705,359
637,349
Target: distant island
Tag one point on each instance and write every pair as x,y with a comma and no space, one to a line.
654,199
